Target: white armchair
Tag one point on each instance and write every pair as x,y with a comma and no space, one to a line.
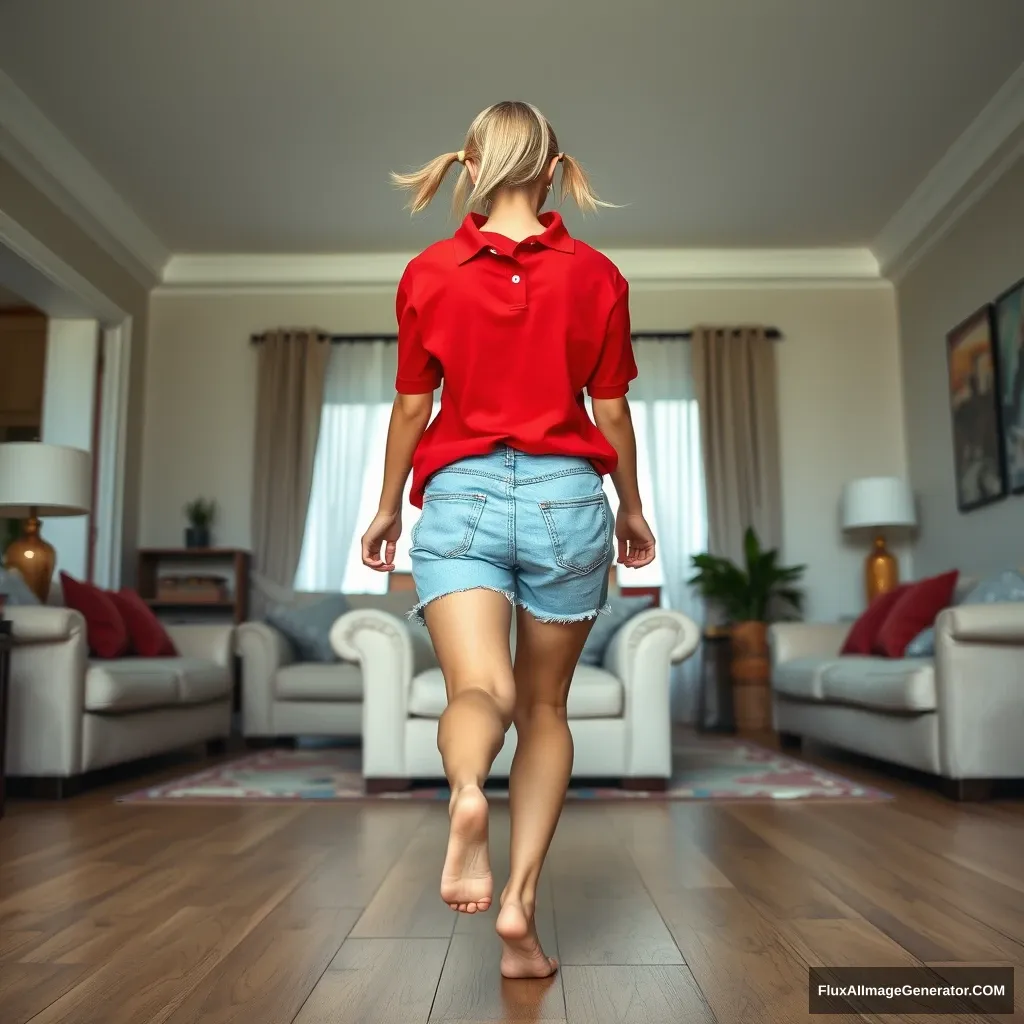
619,714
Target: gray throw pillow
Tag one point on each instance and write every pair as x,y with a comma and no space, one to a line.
606,626
14,589
308,626
1003,586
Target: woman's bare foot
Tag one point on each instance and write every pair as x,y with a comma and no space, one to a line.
466,883
521,954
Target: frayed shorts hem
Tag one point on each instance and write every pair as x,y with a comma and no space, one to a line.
416,615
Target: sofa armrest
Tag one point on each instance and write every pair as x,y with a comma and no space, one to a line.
789,640
263,650
640,655
1000,623
979,690
382,646
43,624
46,700
209,641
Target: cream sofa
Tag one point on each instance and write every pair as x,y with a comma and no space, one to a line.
959,715
619,714
284,697
68,714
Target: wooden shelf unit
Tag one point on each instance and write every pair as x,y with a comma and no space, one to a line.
154,560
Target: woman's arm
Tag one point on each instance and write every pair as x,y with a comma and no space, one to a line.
410,415
636,541
614,421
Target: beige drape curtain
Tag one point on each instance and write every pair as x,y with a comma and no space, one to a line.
290,396
734,378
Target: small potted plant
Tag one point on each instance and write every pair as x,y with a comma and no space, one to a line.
200,514
749,597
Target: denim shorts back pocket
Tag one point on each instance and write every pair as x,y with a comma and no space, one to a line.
447,523
579,531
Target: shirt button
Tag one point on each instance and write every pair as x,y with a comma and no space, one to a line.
495,251
515,279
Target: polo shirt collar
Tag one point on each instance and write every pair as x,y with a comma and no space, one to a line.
469,239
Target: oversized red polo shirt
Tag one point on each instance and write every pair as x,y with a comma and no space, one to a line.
517,331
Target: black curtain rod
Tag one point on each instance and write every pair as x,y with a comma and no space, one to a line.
772,333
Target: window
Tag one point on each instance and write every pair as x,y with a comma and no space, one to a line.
353,435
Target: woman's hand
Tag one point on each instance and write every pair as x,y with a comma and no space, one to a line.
383,533
636,542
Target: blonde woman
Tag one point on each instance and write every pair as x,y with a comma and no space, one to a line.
518,318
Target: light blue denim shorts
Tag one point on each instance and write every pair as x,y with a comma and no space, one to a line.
536,528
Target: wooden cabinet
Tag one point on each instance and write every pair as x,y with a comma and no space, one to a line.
22,372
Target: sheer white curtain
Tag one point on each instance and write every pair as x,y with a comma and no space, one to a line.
663,398
358,392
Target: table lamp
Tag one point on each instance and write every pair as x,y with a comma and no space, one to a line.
38,481
877,503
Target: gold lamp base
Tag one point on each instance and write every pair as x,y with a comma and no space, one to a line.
881,570
34,559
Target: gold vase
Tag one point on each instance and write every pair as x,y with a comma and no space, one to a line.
33,558
881,570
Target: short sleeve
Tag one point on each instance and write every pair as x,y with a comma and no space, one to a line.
418,371
616,366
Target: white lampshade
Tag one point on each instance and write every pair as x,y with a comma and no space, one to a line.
878,501
43,479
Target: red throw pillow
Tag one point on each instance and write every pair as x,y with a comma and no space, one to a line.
105,630
914,611
864,632
148,637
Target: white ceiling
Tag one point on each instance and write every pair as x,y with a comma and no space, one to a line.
9,300
254,126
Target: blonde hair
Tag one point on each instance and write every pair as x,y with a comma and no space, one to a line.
511,144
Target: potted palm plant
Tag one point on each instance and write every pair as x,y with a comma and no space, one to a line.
200,514
749,597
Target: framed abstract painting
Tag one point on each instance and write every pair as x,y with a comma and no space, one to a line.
974,405
1009,322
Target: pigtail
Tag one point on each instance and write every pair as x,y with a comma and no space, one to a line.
576,184
424,183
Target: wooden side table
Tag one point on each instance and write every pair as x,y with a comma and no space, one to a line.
6,643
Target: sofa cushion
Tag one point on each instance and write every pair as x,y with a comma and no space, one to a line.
199,680
607,624
801,677
916,609
146,633
864,632
888,684
595,693
314,681
105,630
308,626
130,684
135,684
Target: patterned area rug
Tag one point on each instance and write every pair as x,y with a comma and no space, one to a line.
705,769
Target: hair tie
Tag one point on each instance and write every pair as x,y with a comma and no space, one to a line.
561,157
461,156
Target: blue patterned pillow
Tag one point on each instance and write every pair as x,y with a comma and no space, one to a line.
1004,586
607,625
308,626
15,590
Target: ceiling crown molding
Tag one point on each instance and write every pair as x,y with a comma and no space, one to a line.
986,150
47,160
642,267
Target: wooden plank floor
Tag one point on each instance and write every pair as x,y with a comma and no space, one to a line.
264,914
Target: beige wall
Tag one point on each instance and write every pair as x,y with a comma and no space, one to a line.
839,400
54,229
980,258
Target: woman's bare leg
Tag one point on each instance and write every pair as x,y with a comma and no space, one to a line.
470,634
546,656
